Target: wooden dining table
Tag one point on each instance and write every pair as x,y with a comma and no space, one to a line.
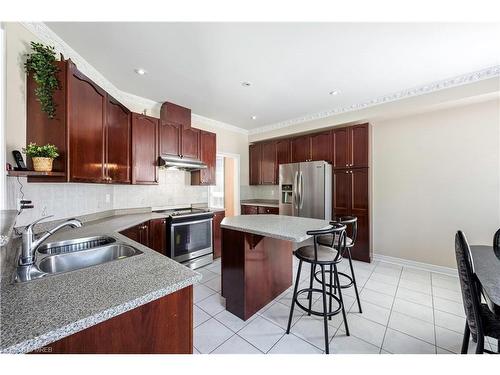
487,267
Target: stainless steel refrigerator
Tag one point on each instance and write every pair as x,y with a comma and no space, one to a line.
306,189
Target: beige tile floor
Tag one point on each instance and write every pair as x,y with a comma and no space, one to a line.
405,310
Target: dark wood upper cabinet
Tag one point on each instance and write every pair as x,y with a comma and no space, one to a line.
340,143
255,154
87,128
358,145
321,145
144,149
350,146
217,232
118,141
176,114
169,138
268,164
208,152
301,149
158,235
190,148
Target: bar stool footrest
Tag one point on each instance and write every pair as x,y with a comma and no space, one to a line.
350,283
314,312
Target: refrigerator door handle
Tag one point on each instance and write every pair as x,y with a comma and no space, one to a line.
295,190
301,186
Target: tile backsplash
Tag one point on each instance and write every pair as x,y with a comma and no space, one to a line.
260,192
65,200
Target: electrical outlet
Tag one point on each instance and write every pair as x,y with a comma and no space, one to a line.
23,204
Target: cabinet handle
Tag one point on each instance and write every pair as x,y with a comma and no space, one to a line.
350,172
346,171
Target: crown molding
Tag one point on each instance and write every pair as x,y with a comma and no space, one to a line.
47,36
219,124
460,80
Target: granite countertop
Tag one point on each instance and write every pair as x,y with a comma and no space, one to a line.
7,220
36,313
282,227
260,202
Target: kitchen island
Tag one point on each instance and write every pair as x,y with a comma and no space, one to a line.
257,258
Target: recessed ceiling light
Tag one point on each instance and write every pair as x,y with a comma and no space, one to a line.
254,117
334,92
140,71
246,84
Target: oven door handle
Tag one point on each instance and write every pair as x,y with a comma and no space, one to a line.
190,222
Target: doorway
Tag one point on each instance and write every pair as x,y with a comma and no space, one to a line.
226,191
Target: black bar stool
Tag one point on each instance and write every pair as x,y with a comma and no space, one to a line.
324,256
327,240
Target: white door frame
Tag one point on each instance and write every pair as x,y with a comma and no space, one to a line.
236,179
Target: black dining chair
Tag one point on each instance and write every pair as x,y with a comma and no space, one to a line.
323,256
480,320
496,240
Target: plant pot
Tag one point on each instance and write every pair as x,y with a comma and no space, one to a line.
42,164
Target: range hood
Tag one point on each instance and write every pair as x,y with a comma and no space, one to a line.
182,163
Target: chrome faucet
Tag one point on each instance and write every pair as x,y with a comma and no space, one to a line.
30,244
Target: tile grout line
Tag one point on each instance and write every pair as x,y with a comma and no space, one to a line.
434,318
390,313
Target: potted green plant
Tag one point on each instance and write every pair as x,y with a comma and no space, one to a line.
42,156
41,64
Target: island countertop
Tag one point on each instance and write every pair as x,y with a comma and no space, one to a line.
288,228
36,313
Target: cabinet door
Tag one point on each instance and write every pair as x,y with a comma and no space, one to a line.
190,143
359,191
170,138
208,151
341,192
144,234
132,233
158,235
217,233
358,145
301,149
321,145
255,162
249,210
118,139
144,149
340,148
86,113
282,155
268,164
361,249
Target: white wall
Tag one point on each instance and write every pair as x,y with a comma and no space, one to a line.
62,199
433,174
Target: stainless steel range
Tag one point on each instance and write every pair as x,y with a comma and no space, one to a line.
189,236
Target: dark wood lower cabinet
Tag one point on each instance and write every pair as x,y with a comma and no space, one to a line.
217,232
163,326
138,233
254,210
158,235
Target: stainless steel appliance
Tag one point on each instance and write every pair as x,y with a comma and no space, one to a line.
189,236
182,163
306,189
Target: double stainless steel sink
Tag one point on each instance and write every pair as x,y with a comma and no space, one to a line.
65,256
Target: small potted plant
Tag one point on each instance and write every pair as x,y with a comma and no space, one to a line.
42,156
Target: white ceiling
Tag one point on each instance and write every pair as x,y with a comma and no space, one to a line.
292,66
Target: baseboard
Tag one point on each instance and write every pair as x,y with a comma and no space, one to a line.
418,265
